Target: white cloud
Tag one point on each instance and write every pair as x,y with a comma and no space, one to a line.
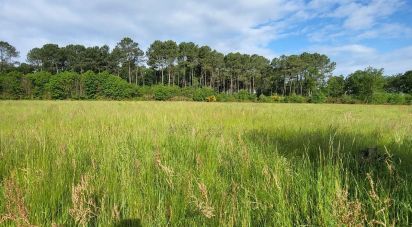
363,16
238,25
356,57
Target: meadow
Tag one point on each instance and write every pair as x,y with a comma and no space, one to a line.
119,163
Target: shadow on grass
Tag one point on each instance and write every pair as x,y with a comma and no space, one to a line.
135,222
331,145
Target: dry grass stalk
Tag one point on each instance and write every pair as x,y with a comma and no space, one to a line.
203,204
168,171
116,212
16,210
83,205
372,192
382,204
348,213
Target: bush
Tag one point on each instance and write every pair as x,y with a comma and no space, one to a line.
116,88
211,98
223,97
277,98
317,97
39,81
244,95
162,93
105,85
295,99
408,99
201,94
11,86
143,91
264,98
64,85
347,99
180,98
188,92
379,98
396,98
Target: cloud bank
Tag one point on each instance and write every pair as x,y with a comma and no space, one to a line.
350,32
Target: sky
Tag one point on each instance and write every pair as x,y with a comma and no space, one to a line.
353,33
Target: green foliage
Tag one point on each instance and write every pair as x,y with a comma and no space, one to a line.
164,93
116,88
364,83
278,98
223,97
11,85
380,98
107,86
180,98
188,92
264,98
318,97
399,83
244,95
348,99
39,81
295,99
396,98
191,68
336,86
64,85
408,99
201,94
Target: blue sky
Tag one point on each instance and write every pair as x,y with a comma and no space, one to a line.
353,33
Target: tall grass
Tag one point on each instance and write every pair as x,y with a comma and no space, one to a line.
208,164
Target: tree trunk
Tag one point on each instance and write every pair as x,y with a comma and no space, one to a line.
191,77
231,84
162,77
130,74
168,70
253,85
137,69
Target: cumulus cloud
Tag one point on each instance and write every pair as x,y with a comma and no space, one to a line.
238,25
353,57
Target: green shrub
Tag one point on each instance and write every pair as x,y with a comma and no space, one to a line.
11,85
107,86
162,93
379,98
396,98
201,94
144,91
348,99
188,92
317,97
244,95
408,99
39,81
64,85
93,84
223,97
277,98
116,88
295,99
264,98
180,98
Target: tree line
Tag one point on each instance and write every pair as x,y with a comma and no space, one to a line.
174,69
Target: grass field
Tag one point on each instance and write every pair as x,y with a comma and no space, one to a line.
189,164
